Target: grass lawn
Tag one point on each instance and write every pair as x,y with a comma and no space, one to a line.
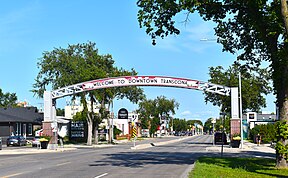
208,167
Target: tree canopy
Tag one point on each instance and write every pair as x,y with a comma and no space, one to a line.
252,29
255,30
7,99
151,111
79,63
255,86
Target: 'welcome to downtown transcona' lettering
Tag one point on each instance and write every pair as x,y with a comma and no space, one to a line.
140,81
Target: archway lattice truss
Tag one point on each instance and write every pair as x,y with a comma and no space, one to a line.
141,81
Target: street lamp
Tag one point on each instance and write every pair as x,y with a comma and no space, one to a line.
240,93
223,120
213,122
240,106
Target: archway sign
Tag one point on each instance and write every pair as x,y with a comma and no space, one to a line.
158,81
140,81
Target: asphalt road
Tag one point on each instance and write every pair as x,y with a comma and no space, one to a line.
170,160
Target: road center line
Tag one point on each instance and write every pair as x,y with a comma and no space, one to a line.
101,175
61,164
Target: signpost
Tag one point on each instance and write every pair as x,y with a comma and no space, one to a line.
134,133
123,113
213,122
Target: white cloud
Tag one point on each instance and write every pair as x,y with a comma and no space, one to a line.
185,113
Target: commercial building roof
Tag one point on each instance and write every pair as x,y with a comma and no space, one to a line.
21,114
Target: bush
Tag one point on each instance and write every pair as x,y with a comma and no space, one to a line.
267,133
116,131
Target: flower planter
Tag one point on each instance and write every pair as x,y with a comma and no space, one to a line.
44,144
235,143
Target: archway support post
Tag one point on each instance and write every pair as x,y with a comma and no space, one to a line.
235,120
50,121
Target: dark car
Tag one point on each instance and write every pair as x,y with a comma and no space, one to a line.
16,141
218,138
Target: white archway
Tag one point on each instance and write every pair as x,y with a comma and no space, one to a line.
50,122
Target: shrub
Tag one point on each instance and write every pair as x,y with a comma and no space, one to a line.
267,132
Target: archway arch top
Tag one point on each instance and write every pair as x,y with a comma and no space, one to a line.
160,81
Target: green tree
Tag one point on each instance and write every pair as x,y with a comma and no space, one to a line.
150,111
79,63
179,125
165,107
257,30
254,86
208,126
267,132
192,122
7,99
147,111
60,112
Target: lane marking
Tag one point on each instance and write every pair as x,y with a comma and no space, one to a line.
61,164
13,175
101,175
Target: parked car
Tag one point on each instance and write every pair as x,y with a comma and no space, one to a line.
36,142
16,141
190,134
218,138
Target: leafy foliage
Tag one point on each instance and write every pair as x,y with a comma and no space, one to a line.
116,131
79,63
150,111
267,132
218,126
179,125
60,112
254,86
7,99
281,130
257,30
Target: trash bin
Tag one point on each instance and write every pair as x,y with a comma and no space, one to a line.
0,143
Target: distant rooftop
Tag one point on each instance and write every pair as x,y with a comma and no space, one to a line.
21,114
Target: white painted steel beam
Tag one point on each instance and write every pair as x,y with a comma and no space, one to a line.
140,81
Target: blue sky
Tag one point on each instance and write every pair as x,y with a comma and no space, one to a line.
28,28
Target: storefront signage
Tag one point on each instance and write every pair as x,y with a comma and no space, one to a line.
123,113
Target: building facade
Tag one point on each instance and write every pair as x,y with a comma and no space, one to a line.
19,121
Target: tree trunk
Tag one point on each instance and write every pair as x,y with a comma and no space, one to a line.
90,131
282,103
283,110
284,12
282,88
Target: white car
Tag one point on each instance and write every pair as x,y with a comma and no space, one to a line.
36,142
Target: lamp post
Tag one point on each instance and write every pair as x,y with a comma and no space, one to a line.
223,118
240,108
240,93
213,122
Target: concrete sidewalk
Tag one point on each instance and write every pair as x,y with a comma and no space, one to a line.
247,146
34,150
